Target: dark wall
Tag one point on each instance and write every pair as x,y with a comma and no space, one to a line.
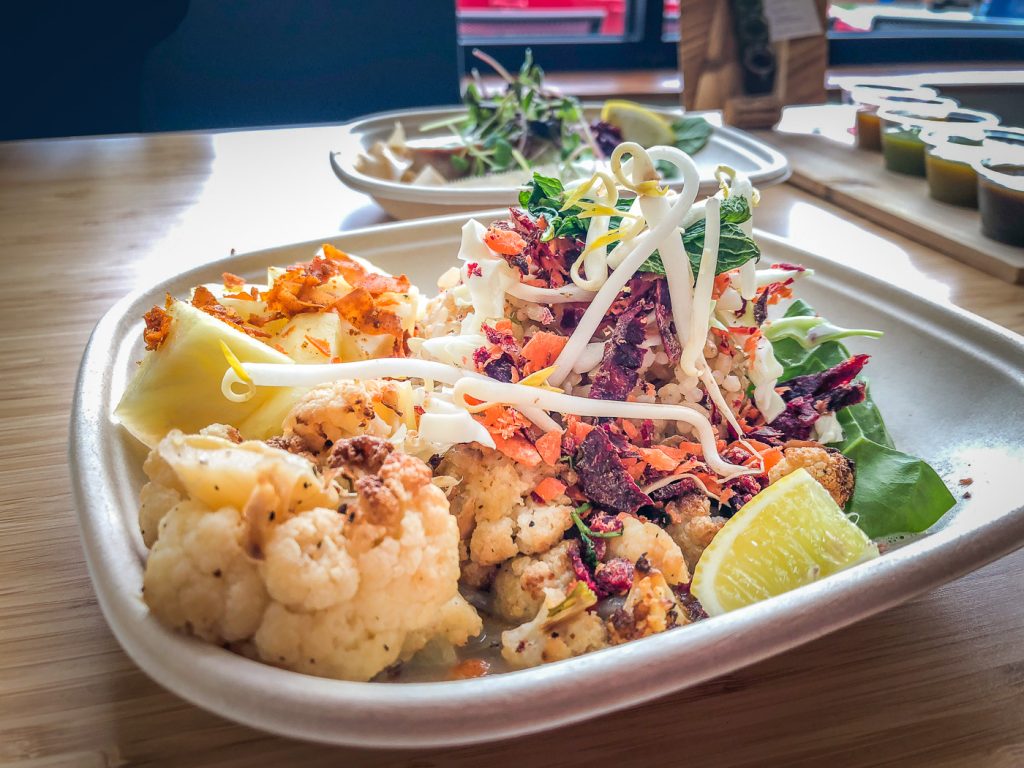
111,66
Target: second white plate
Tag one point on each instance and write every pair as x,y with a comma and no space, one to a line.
727,146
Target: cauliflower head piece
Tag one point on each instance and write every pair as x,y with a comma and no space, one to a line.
497,513
334,577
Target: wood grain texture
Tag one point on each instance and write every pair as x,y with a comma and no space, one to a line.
938,682
857,181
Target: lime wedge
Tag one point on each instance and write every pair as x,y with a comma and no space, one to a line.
178,385
638,123
791,534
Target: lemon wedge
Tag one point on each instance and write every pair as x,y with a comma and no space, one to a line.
638,123
178,385
791,534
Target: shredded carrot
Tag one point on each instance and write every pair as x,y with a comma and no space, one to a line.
750,345
542,350
549,488
321,345
659,459
630,429
469,668
771,457
577,429
549,445
500,420
232,281
720,284
634,467
504,325
504,241
682,451
710,482
517,448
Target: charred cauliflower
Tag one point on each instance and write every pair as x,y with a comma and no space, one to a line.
693,526
828,466
562,628
646,540
520,582
255,547
497,513
340,409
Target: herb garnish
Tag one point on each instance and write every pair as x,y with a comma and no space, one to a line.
587,536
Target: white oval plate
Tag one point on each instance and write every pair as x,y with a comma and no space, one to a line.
727,146
951,386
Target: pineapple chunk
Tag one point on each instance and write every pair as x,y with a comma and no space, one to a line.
178,385
312,337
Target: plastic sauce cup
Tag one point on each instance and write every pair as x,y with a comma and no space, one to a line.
902,146
1001,199
868,97
950,158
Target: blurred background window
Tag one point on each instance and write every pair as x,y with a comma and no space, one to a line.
573,35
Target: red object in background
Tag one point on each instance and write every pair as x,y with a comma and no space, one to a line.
614,19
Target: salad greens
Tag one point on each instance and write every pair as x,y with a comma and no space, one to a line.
545,196
735,246
587,536
692,133
894,492
528,124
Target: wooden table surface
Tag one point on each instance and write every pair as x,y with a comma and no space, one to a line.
936,682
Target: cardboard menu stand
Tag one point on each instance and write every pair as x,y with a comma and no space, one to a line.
713,77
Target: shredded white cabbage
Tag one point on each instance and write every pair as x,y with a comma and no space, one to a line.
764,371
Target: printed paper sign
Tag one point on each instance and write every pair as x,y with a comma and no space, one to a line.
792,19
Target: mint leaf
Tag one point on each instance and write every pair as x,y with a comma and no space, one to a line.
735,248
692,133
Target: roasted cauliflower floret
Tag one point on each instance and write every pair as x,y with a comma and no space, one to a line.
340,409
650,607
519,585
221,473
693,526
562,628
495,509
828,466
199,578
401,552
305,576
540,527
641,539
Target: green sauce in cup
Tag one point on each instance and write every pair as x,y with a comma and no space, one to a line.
902,145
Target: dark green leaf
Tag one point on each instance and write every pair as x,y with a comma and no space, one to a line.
460,163
735,248
692,133
544,196
894,492
735,209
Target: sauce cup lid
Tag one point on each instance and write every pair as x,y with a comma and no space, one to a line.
873,94
1005,172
